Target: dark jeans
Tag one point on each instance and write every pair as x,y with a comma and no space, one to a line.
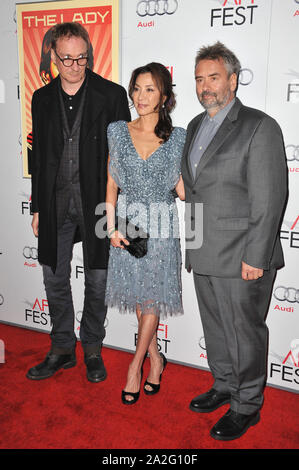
59,294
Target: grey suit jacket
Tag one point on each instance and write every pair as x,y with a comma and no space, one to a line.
241,181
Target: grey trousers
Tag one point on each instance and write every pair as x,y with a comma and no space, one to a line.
59,294
233,315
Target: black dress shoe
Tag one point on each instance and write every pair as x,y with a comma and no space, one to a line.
51,364
95,368
233,425
209,401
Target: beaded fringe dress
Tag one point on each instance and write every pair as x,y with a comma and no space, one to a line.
147,199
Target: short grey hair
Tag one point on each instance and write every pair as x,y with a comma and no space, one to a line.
219,51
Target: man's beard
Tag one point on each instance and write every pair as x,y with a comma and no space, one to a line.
216,103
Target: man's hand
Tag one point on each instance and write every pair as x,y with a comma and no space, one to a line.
249,272
34,223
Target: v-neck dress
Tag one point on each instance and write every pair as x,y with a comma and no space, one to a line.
146,197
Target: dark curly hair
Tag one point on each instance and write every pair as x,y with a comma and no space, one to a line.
163,80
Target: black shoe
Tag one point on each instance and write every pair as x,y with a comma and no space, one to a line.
95,368
51,364
209,401
233,425
155,387
135,397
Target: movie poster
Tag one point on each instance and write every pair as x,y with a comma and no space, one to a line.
34,21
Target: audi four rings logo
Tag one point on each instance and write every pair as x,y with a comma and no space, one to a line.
202,343
156,7
245,77
1,299
292,152
30,252
286,293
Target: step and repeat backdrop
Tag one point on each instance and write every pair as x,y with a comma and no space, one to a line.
126,34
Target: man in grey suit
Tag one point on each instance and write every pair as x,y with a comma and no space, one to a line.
234,165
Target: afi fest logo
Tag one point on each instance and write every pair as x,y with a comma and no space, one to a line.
162,338
291,235
38,314
26,205
287,368
233,13
293,354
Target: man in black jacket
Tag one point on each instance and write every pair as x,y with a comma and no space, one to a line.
70,116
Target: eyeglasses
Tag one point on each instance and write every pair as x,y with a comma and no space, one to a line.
68,62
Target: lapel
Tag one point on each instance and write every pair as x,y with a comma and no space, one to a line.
201,117
189,143
220,137
94,105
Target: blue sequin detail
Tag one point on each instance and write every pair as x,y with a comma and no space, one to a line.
154,281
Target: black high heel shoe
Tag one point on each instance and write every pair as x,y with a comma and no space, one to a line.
155,387
134,395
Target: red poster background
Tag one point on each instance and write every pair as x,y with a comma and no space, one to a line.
36,68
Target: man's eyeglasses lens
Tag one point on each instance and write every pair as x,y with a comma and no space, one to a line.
69,62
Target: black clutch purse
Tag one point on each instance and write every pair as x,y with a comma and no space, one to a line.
136,236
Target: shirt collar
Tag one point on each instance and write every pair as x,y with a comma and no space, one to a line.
219,117
77,94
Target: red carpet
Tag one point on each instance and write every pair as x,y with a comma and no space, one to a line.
68,412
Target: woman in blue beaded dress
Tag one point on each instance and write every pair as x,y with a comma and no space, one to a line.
143,172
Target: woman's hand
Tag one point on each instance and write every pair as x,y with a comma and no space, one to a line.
35,223
180,189
117,239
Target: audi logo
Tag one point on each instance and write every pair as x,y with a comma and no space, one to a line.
78,316
156,7
202,343
286,293
1,299
30,252
245,77
292,152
